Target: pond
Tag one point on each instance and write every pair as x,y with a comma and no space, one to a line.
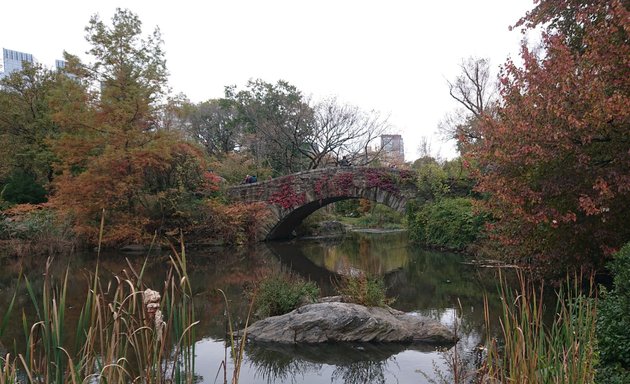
439,285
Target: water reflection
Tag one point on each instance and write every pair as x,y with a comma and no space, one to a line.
357,362
434,284
371,253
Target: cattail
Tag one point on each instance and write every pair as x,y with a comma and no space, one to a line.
151,300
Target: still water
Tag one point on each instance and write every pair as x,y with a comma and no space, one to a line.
434,284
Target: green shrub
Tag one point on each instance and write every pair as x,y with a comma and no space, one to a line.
31,223
365,290
613,324
381,216
348,207
447,223
22,188
280,294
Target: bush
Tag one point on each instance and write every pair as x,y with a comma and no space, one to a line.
35,229
213,222
22,188
447,223
365,290
278,295
381,216
613,323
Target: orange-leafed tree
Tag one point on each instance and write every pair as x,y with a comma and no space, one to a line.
555,163
112,153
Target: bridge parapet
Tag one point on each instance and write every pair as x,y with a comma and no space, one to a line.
293,197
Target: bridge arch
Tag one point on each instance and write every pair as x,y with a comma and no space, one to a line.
292,198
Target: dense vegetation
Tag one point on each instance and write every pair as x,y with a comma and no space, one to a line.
443,216
553,161
280,294
613,320
547,152
543,180
106,136
548,156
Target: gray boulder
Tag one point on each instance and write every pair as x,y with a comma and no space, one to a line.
348,322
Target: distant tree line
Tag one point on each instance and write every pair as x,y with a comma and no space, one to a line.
107,135
280,130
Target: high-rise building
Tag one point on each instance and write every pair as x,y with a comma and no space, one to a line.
60,64
12,61
393,149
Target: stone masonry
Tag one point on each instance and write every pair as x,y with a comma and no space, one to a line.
292,198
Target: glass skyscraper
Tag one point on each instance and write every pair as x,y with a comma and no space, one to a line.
12,61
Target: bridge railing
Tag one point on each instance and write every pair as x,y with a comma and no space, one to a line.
306,182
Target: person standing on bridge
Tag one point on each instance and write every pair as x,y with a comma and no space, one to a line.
344,162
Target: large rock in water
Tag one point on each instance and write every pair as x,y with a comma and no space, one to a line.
345,322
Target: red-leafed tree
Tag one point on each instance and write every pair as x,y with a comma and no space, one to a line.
112,153
555,163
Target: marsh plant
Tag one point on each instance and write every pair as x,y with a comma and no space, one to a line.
365,290
124,333
280,294
534,349
531,346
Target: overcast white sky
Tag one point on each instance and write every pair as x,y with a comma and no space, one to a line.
392,56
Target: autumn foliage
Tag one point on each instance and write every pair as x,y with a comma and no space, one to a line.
138,190
215,223
555,163
113,156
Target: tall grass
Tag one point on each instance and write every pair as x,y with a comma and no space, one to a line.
236,341
364,290
125,332
534,349
282,293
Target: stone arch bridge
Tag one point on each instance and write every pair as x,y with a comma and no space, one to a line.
292,198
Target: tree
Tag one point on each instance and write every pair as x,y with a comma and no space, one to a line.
286,131
555,160
342,129
130,71
215,125
112,154
26,123
475,90
277,120
565,18
22,187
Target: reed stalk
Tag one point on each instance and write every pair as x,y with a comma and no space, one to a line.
235,340
119,338
534,349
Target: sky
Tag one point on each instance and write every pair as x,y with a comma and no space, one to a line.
392,56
